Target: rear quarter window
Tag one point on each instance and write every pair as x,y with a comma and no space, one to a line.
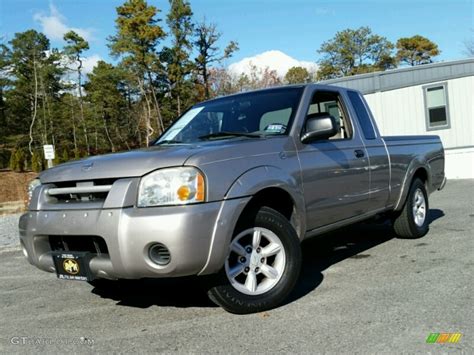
362,115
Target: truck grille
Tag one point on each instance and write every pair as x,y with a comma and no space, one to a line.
92,244
80,191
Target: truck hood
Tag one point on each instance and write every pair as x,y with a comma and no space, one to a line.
139,162
118,165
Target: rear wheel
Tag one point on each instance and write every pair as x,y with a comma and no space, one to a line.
412,222
262,265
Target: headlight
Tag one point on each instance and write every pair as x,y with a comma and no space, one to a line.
31,187
173,186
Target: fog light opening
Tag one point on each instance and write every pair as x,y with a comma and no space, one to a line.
159,254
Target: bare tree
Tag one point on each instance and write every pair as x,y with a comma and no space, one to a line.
469,44
34,102
208,51
76,45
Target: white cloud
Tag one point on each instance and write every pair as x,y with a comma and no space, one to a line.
54,25
70,76
273,60
88,63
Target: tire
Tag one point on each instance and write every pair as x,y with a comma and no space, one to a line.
412,222
262,265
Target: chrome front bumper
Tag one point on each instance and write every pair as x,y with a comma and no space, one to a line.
197,237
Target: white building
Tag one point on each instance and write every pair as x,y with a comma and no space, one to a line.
427,99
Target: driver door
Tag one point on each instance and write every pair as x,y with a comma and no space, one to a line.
335,171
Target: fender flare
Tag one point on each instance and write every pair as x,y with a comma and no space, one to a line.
413,167
259,178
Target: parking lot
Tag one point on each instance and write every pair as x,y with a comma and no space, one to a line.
361,290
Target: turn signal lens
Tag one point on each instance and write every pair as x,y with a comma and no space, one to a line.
200,193
183,193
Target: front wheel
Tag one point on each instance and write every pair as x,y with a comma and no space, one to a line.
262,265
412,222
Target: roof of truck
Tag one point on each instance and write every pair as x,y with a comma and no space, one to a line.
280,87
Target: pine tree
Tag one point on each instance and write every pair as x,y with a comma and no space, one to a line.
352,52
34,88
416,50
138,35
108,101
179,64
5,64
28,57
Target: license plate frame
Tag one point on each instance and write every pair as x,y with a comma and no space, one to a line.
73,265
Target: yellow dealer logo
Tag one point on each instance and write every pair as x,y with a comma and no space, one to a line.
71,266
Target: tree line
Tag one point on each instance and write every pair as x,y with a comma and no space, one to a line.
45,97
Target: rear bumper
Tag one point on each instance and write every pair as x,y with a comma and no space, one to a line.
196,236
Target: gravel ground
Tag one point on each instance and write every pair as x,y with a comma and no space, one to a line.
9,230
361,291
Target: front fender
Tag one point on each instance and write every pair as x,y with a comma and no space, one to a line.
262,177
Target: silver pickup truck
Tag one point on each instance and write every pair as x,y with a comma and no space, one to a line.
231,189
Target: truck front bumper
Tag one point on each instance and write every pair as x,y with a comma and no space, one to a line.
197,237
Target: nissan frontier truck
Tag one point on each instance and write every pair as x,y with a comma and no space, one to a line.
232,188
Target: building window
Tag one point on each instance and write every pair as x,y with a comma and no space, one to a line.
436,106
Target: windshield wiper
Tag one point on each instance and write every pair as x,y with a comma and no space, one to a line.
168,141
230,134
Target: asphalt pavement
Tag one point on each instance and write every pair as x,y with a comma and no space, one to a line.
361,291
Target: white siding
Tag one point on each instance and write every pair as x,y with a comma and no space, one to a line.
402,112
460,163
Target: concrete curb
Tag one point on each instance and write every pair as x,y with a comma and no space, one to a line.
11,207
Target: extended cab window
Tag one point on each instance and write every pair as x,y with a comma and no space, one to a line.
331,103
362,115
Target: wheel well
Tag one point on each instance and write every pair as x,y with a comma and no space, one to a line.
421,174
277,199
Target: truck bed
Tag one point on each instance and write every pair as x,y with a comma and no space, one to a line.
412,152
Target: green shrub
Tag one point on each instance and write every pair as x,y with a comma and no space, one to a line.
65,155
56,160
17,161
21,160
13,164
77,154
36,162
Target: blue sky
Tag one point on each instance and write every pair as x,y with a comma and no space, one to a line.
295,27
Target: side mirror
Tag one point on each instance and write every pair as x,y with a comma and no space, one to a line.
319,126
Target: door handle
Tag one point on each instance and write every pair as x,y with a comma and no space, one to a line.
359,153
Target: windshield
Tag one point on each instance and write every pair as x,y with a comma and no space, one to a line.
255,114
